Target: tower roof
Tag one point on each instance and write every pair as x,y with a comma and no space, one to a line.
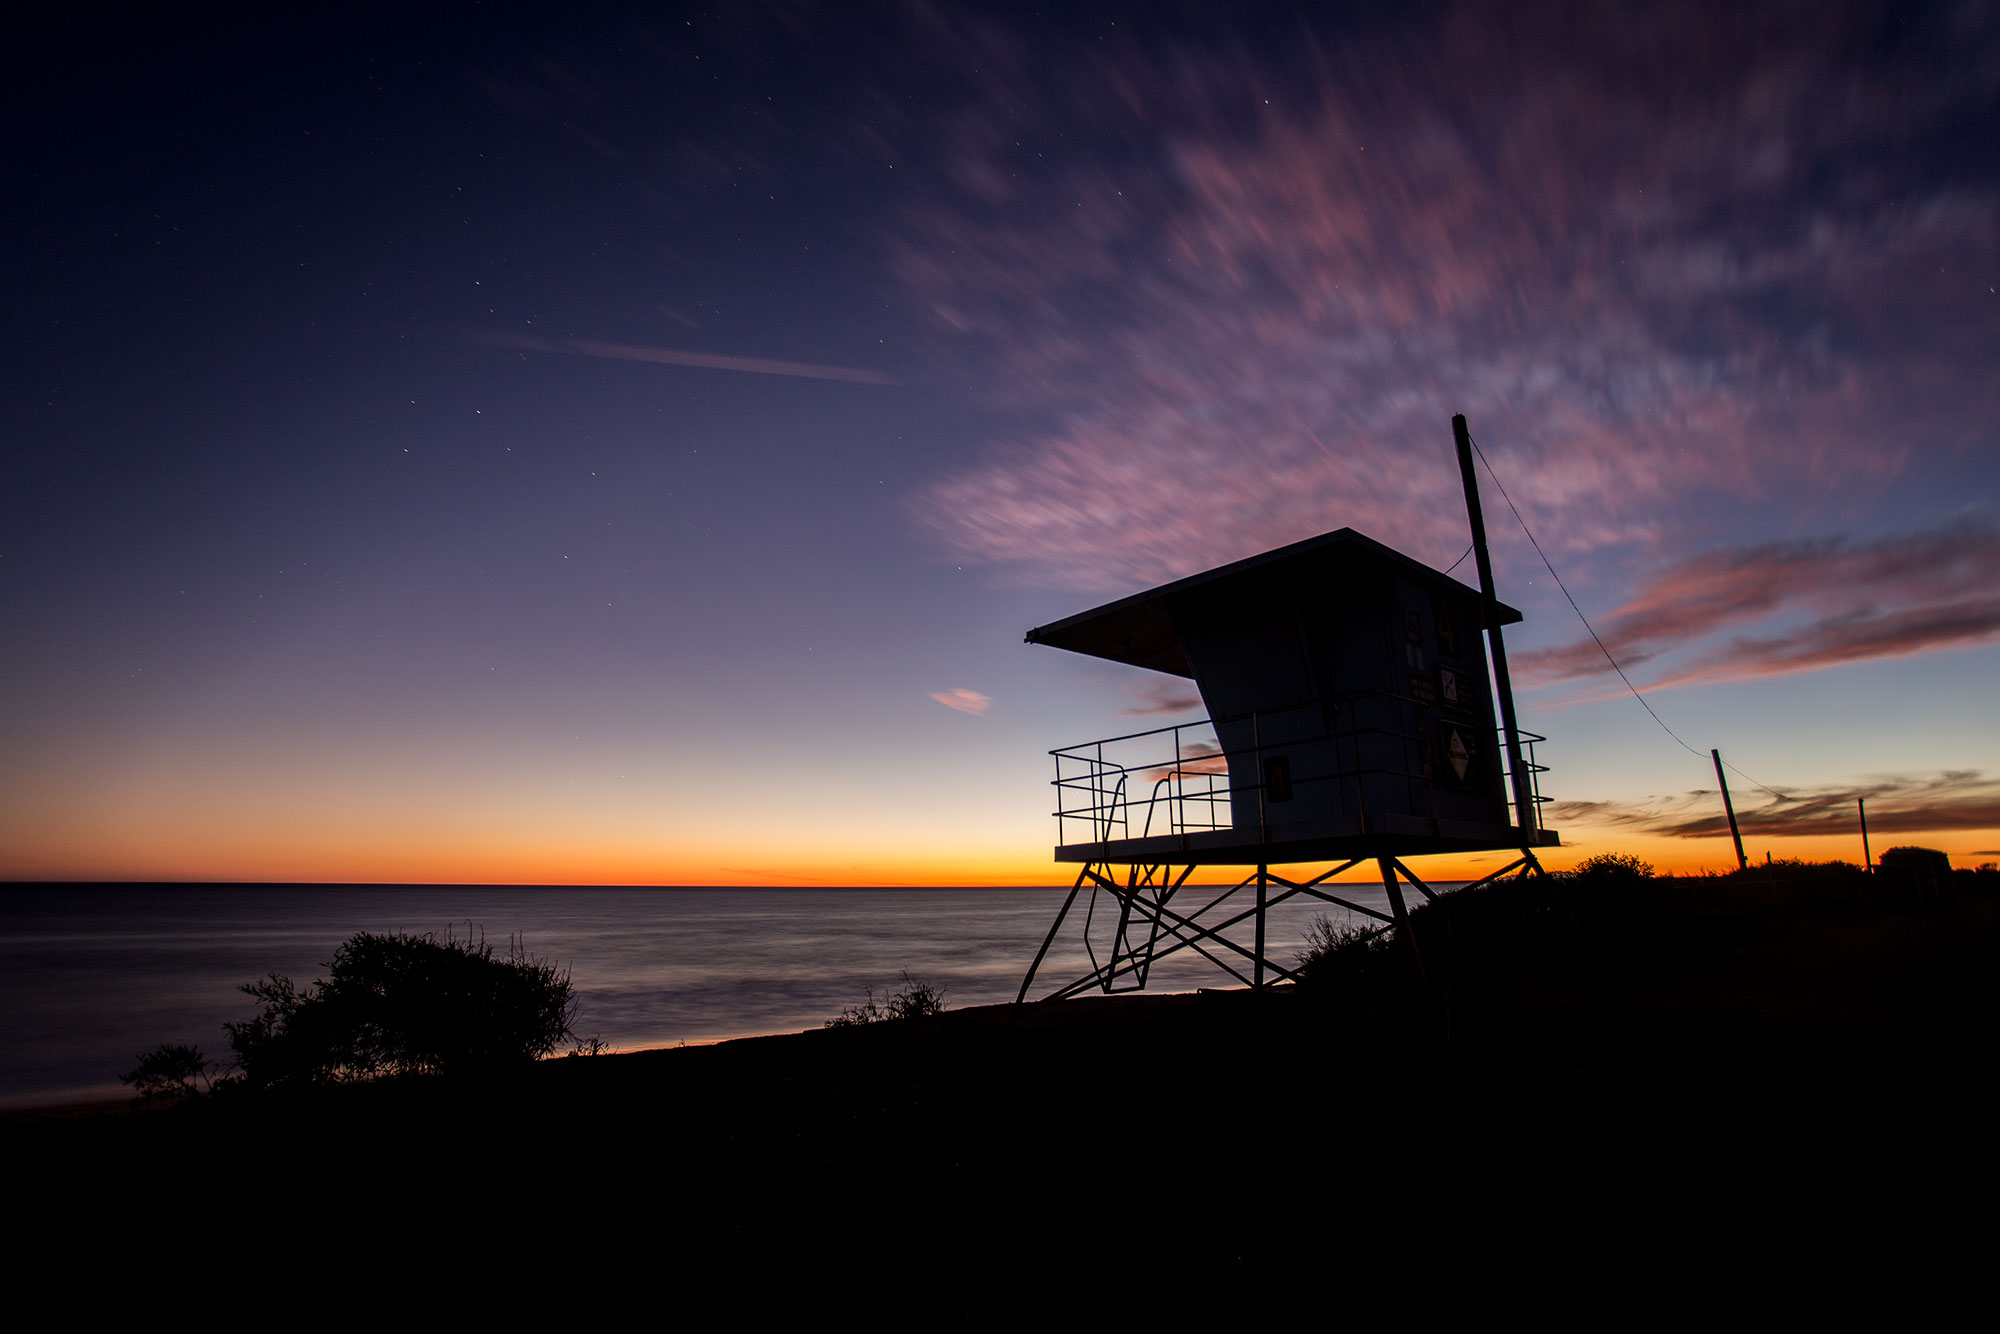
1139,630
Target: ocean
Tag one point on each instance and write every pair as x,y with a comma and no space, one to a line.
93,975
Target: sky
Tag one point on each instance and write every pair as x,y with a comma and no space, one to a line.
615,444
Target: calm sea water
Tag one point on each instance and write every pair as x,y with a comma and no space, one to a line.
91,975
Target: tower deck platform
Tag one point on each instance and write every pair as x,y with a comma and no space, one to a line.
1335,838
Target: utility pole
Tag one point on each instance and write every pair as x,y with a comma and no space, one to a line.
1524,804
1742,862
1867,857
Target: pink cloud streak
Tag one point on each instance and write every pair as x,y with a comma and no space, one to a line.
669,356
963,700
1890,596
1635,283
1162,697
1898,804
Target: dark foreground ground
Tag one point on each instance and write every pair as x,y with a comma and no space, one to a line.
1655,1089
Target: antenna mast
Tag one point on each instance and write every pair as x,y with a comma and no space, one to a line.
1524,805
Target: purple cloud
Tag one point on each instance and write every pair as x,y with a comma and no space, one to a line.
1890,596
1898,804
1646,289
1163,697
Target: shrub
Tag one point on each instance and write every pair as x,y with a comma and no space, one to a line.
169,1072
400,1004
868,1012
1613,866
1338,950
917,1000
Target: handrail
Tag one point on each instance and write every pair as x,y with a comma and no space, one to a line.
1114,805
1153,801
1192,805
1134,736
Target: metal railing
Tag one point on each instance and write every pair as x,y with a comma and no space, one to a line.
1531,774
1092,780
1175,779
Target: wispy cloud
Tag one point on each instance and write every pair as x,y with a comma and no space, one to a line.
965,701
1252,320
1884,597
1198,759
1898,804
670,356
1163,697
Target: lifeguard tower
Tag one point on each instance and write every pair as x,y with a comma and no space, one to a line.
1350,704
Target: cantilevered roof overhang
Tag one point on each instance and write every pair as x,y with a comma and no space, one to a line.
1138,630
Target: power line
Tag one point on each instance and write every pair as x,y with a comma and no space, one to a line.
1753,782
1593,632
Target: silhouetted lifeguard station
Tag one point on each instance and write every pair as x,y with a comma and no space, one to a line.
1351,719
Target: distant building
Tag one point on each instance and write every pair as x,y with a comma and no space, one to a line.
1922,875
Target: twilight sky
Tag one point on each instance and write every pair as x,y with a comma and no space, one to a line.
516,445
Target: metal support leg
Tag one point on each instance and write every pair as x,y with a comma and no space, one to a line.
1050,939
1263,882
1403,929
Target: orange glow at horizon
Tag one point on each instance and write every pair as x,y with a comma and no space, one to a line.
516,817
275,854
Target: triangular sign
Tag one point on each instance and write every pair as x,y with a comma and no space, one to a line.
1461,758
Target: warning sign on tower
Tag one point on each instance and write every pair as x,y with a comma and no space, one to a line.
1447,628
1464,757
1455,688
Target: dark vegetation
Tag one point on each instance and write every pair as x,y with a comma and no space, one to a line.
390,1005
1529,918
1826,943
406,1005
170,1072
916,1000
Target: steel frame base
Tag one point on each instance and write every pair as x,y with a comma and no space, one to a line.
1150,926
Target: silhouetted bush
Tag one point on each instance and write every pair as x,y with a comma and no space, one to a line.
169,1072
917,1000
1338,953
400,1004
1613,866
1463,933
1602,889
